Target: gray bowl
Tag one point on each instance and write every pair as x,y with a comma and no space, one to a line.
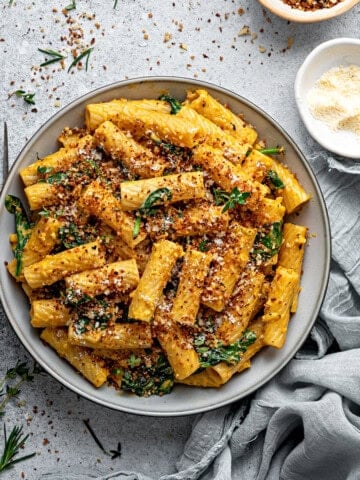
183,400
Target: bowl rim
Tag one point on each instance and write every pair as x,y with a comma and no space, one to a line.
327,245
301,73
283,10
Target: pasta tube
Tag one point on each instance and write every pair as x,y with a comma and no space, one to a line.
206,105
187,300
113,277
115,337
152,283
224,274
84,360
138,159
99,201
58,161
55,267
49,313
184,186
277,307
179,351
291,253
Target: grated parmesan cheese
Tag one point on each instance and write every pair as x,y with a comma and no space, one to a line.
335,98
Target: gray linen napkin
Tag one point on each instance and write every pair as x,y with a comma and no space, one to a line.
305,423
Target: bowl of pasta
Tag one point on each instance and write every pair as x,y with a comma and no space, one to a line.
171,243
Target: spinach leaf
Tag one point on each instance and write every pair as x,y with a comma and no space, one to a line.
144,380
147,206
230,354
22,228
267,245
174,103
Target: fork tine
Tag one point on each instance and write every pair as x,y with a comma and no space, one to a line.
5,162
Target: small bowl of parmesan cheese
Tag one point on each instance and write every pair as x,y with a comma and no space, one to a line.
327,93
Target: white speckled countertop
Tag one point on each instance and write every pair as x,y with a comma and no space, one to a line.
206,40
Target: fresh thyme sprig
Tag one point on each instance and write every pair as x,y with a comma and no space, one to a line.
115,4
15,441
28,97
230,200
84,54
55,57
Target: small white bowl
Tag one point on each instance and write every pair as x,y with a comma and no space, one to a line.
296,15
330,54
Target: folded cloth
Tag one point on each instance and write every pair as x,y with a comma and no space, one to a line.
305,423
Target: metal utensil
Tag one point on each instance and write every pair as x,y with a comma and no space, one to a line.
5,161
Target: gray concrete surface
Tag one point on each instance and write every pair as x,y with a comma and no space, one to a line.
129,42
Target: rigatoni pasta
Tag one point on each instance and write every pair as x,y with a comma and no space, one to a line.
158,249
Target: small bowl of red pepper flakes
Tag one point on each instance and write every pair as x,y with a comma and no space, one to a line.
308,11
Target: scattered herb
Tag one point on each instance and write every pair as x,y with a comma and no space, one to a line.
267,245
203,246
230,354
22,228
230,200
134,361
275,179
55,57
28,97
174,103
115,3
147,206
11,2
71,6
56,178
43,170
272,150
84,54
12,445
16,440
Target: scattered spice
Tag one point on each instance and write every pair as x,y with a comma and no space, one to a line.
311,5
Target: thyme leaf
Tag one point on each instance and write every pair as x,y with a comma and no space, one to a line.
230,200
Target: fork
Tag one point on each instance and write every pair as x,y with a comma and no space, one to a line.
5,161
